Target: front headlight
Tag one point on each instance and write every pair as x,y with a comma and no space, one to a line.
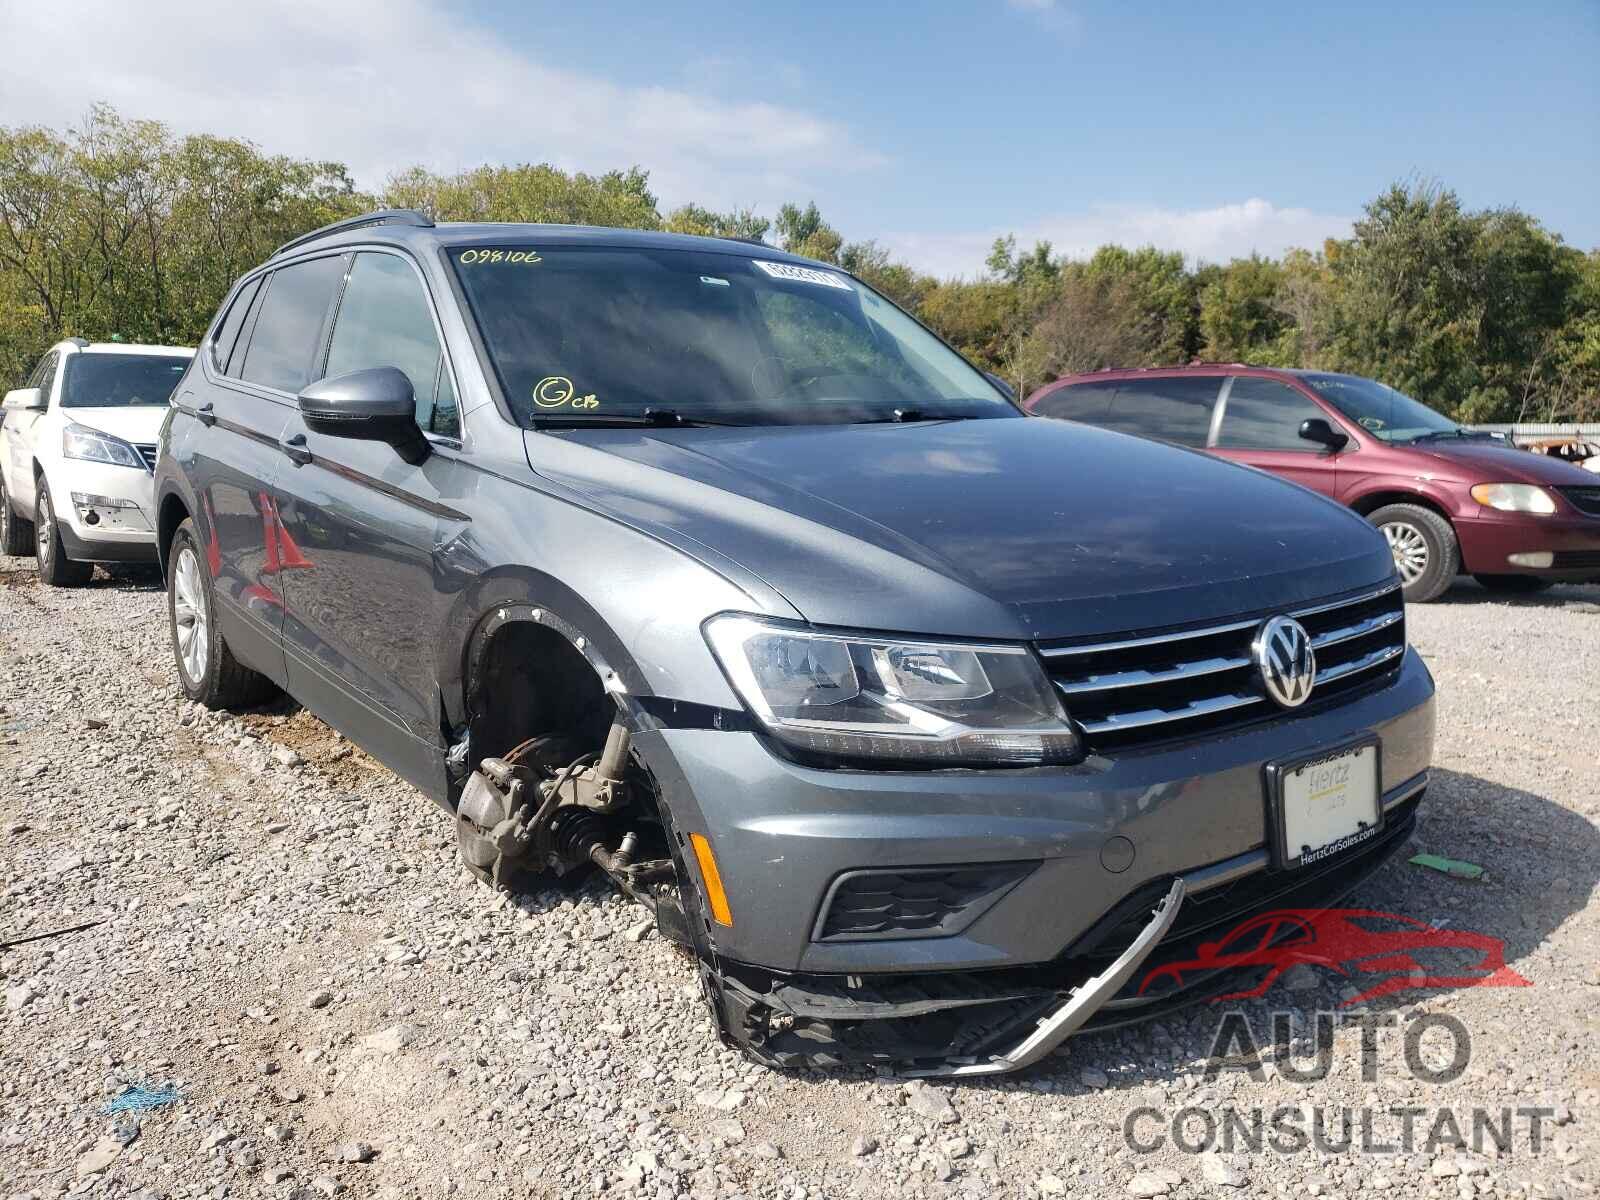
1514,497
79,441
929,703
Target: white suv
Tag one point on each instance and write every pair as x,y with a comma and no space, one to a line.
77,447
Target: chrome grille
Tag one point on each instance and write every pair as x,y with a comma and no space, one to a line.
147,451
1140,690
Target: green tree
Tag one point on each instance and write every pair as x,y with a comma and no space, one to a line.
803,231
1461,309
529,192
116,228
739,223
1241,318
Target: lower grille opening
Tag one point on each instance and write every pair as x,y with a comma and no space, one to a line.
913,901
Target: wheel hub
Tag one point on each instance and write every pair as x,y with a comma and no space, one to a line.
1409,549
189,621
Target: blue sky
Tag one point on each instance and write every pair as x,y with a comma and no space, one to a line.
1213,129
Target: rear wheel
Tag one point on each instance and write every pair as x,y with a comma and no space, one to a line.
16,534
1426,553
207,669
1514,585
55,568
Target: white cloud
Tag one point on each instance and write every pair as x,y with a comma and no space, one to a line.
1203,235
384,84
1048,16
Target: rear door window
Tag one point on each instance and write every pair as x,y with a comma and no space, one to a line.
228,332
1264,414
1087,402
1174,409
287,338
385,321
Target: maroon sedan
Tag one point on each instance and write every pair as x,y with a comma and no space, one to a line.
1449,500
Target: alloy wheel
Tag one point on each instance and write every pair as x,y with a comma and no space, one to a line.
189,615
46,529
1410,549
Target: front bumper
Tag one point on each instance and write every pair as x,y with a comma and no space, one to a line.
104,513
990,1022
1487,544
1102,842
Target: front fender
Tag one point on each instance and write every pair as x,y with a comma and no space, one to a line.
632,605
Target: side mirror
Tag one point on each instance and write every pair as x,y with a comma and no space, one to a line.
1000,383
375,405
25,400
1316,429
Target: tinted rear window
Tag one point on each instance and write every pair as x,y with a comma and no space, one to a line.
1176,409
1077,402
120,380
287,336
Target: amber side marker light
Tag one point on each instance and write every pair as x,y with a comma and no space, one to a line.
720,912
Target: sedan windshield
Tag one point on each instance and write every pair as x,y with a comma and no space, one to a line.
1388,415
682,336
120,380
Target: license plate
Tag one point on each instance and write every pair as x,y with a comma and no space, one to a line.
1326,804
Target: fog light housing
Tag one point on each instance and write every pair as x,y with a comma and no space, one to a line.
1539,560
85,500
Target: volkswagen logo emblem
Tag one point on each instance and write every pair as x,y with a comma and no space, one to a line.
1285,660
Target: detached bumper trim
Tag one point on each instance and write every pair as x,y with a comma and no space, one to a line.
1081,1004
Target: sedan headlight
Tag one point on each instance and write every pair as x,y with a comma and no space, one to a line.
1514,497
79,441
929,703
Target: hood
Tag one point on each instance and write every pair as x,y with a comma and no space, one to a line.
136,423
1488,462
982,528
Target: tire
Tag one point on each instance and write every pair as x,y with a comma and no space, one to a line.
1514,585
1426,553
207,669
16,533
55,568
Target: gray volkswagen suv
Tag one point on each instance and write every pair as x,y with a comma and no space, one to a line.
931,730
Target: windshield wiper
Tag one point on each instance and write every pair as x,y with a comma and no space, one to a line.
663,418
910,413
1435,434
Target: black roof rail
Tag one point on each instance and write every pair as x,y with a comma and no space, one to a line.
384,216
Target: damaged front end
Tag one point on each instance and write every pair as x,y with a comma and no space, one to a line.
537,810
948,1024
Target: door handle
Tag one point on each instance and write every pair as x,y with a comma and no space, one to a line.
207,413
295,447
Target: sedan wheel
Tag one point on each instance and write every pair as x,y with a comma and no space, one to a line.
189,616
1410,550
44,531
15,536
55,568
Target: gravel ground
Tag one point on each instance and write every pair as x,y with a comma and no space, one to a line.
285,937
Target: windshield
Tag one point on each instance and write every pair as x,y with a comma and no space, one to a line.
120,380
1388,415
596,333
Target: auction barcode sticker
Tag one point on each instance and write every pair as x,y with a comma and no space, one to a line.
804,274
